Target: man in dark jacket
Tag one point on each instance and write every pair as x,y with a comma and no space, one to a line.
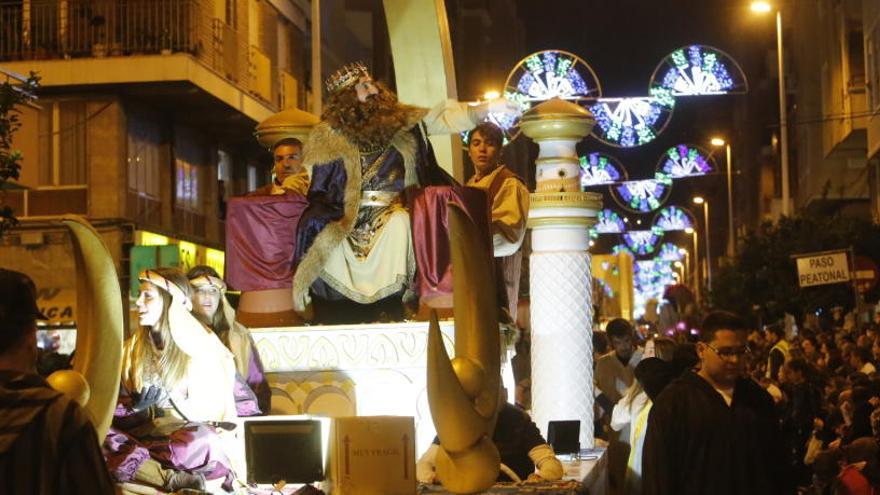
47,443
715,431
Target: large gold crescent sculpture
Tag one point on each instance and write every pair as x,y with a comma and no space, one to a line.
99,321
463,393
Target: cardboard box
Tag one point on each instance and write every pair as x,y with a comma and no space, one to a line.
372,455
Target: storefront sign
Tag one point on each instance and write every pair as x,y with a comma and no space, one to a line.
58,304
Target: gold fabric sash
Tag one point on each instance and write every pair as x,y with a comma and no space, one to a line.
379,198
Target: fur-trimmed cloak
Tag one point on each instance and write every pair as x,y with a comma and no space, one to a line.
334,165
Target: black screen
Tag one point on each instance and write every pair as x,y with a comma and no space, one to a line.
564,436
288,450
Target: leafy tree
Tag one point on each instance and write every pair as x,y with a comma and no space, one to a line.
762,280
14,92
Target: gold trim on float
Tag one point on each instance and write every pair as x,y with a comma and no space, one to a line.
560,221
574,199
572,184
560,160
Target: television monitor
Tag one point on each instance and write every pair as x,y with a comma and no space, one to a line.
564,436
288,450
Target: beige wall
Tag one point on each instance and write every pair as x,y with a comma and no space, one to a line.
106,145
871,23
829,147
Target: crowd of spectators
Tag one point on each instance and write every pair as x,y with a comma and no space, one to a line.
823,381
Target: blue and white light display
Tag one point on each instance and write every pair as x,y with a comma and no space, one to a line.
684,161
673,218
609,222
642,242
651,277
631,122
669,252
698,70
599,169
621,248
642,196
552,74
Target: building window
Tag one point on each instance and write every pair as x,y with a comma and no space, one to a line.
63,154
189,161
144,141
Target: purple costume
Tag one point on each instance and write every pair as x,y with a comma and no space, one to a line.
176,444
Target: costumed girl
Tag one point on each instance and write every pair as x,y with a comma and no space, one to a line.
176,393
212,308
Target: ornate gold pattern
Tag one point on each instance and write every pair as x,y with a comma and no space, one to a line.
574,199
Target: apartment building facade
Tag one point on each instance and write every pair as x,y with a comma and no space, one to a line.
834,107
144,125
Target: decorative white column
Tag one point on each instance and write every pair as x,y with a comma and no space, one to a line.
560,216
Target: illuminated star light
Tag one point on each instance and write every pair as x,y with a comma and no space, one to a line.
609,222
698,70
551,74
685,161
669,252
673,218
644,195
630,122
642,242
598,169
621,248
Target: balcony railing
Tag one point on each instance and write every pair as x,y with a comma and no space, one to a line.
47,201
53,29
90,28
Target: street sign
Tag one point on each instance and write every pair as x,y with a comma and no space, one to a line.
822,268
866,273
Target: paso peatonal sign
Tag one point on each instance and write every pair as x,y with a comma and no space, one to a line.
829,267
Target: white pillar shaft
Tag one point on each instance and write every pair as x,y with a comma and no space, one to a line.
562,345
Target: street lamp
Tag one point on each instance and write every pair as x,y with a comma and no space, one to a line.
696,280
491,95
687,261
731,245
763,7
680,266
702,201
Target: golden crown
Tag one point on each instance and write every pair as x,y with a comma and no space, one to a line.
346,76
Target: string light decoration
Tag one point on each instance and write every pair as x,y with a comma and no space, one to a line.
621,248
651,277
642,196
698,70
673,219
552,74
599,169
684,160
544,75
669,252
609,222
642,242
631,122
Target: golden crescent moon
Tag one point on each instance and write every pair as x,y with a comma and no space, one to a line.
99,321
468,461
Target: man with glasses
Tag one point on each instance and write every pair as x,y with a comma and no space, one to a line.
715,430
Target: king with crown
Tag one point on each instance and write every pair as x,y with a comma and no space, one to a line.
354,241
